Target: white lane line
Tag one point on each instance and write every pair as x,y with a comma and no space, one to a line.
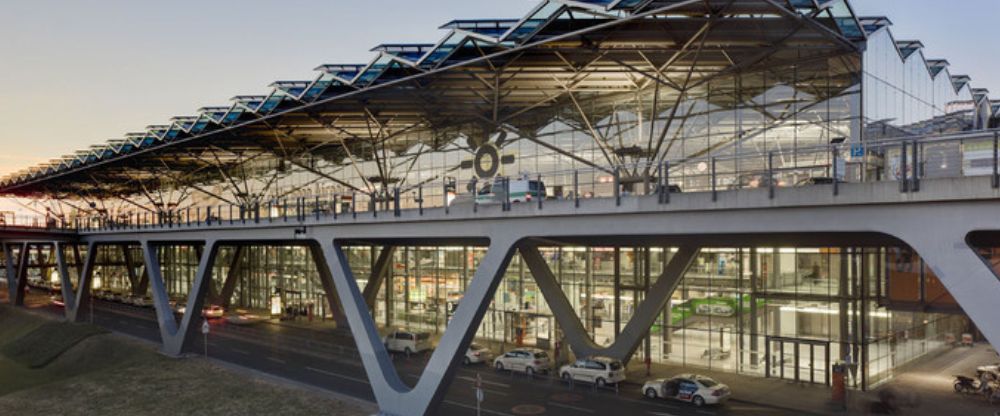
491,383
332,374
277,360
496,392
573,408
454,403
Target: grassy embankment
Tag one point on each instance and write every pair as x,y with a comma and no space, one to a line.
49,367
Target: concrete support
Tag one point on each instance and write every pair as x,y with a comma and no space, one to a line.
225,297
176,337
8,255
968,278
133,280
392,395
380,269
645,314
24,257
72,301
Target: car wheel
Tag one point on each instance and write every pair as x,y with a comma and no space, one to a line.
651,393
698,401
466,361
567,377
530,371
499,366
600,382
408,351
958,387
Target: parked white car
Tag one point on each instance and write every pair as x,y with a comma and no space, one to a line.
529,360
408,342
598,370
477,354
691,388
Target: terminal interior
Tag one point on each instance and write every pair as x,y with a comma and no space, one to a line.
783,312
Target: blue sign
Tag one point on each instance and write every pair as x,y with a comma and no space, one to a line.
857,150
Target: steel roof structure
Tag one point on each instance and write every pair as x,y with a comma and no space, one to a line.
482,77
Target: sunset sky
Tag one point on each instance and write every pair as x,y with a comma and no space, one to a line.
74,73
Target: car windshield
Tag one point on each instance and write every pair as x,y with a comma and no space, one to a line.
615,365
707,382
541,355
475,347
423,335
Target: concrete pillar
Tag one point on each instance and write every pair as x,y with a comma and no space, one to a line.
11,271
82,296
176,337
635,330
225,297
392,395
380,269
22,274
968,278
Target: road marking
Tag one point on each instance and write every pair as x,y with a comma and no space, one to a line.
454,403
331,374
573,408
277,360
496,392
492,383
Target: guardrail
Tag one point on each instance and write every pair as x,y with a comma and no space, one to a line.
906,160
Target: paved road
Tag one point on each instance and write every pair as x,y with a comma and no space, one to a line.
296,354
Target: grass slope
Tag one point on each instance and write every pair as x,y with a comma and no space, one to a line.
108,375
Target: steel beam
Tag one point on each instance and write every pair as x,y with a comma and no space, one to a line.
635,330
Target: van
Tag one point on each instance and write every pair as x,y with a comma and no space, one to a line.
407,341
522,189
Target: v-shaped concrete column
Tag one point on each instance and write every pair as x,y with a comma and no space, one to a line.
392,395
968,278
9,264
72,301
24,257
174,337
378,274
645,315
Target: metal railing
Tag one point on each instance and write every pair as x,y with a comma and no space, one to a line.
907,160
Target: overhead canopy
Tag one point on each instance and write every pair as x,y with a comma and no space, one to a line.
572,61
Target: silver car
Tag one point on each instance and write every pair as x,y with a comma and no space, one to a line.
477,354
529,360
597,370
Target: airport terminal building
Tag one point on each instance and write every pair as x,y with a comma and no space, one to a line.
577,104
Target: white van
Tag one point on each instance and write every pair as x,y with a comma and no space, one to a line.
522,189
407,341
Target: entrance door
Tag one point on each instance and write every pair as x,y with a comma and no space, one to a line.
798,360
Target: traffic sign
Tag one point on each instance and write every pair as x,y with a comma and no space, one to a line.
204,327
